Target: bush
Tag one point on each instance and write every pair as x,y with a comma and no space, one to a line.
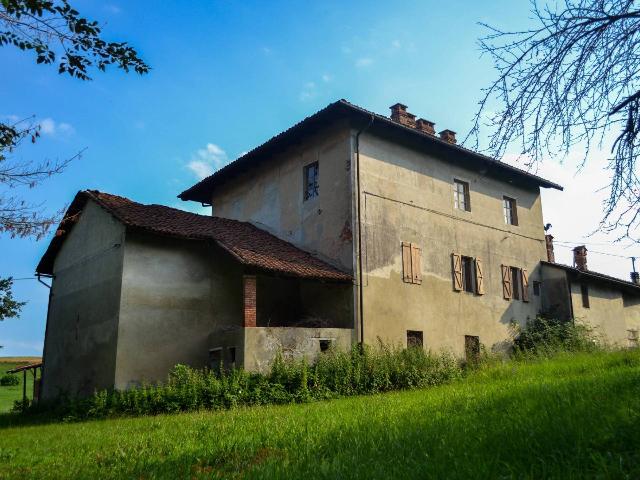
363,370
547,336
9,380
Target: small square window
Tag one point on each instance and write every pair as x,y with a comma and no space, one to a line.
310,180
468,271
536,289
414,339
325,345
461,197
584,291
510,211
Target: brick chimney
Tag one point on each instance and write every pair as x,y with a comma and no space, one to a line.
400,115
426,126
448,136
551,256
580,258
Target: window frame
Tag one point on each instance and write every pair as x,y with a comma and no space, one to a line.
537,288
466,195
417,335
311,190
468,274
584,294
510,204
516,283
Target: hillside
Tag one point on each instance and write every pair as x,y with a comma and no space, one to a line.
570,417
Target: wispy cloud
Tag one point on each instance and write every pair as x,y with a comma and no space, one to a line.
396,44
207,160
364,62
112,8
326,78
309,91
50,127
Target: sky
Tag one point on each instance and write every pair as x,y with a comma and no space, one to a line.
228,75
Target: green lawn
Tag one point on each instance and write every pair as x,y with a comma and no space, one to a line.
10,394
570,417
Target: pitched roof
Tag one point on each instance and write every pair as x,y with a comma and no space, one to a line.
375,123
248,244
596,276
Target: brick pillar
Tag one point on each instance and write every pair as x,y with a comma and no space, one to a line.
249,289
580,258
551,256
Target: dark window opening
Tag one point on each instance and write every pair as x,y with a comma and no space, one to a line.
468,271
510,211
472,348
536,289
461,196
584,291
215,359
516,283
232,357
325,345
311,180
414,339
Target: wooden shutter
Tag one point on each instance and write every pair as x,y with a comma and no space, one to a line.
416,263
525,285
506,282
407,274
456,261
479,277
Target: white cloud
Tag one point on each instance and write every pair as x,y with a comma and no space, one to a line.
364,62
308,92
396,44
267,50
111,8
48,126
346,50
326,78
207,160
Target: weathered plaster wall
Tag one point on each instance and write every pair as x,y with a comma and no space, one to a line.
263,343
81,336
408,196
271,197
175,295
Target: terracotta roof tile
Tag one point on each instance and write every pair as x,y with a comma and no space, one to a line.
248,244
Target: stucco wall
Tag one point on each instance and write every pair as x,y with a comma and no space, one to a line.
175,295
81,336
271,197
262,344
408,196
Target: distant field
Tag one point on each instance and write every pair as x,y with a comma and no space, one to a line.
571,417
10,394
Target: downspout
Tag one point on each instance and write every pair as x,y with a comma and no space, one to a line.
360,286
46,328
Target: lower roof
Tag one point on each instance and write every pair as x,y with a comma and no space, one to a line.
246,243
596,276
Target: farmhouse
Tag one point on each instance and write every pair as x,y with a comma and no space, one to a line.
348,227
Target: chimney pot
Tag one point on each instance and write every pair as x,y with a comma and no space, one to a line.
551,256
580,258
400,115
426,126
448,136
635,278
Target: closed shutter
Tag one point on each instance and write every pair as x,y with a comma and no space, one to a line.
456,261
416,263
479,277
407,274
525,285
506,282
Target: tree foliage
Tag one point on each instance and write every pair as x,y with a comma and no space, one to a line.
567,83
9,307
58,35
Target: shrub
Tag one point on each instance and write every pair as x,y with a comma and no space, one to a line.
9,380
547,336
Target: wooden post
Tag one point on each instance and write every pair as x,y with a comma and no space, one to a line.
24,388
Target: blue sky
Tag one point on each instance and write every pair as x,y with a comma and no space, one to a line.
228,75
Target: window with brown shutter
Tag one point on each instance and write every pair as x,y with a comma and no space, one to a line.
525,285
479,277
506,282
411,263
407,274
456,261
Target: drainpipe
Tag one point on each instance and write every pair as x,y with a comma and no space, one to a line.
360,286
46,328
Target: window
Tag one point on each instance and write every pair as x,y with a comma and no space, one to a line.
467,274
311,181
232,357
325,345
461,198
584,291
632,337
510,211
215,359
414,339
536,289
515,283
472,348
411,263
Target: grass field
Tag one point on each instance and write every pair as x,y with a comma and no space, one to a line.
571,417
10,394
